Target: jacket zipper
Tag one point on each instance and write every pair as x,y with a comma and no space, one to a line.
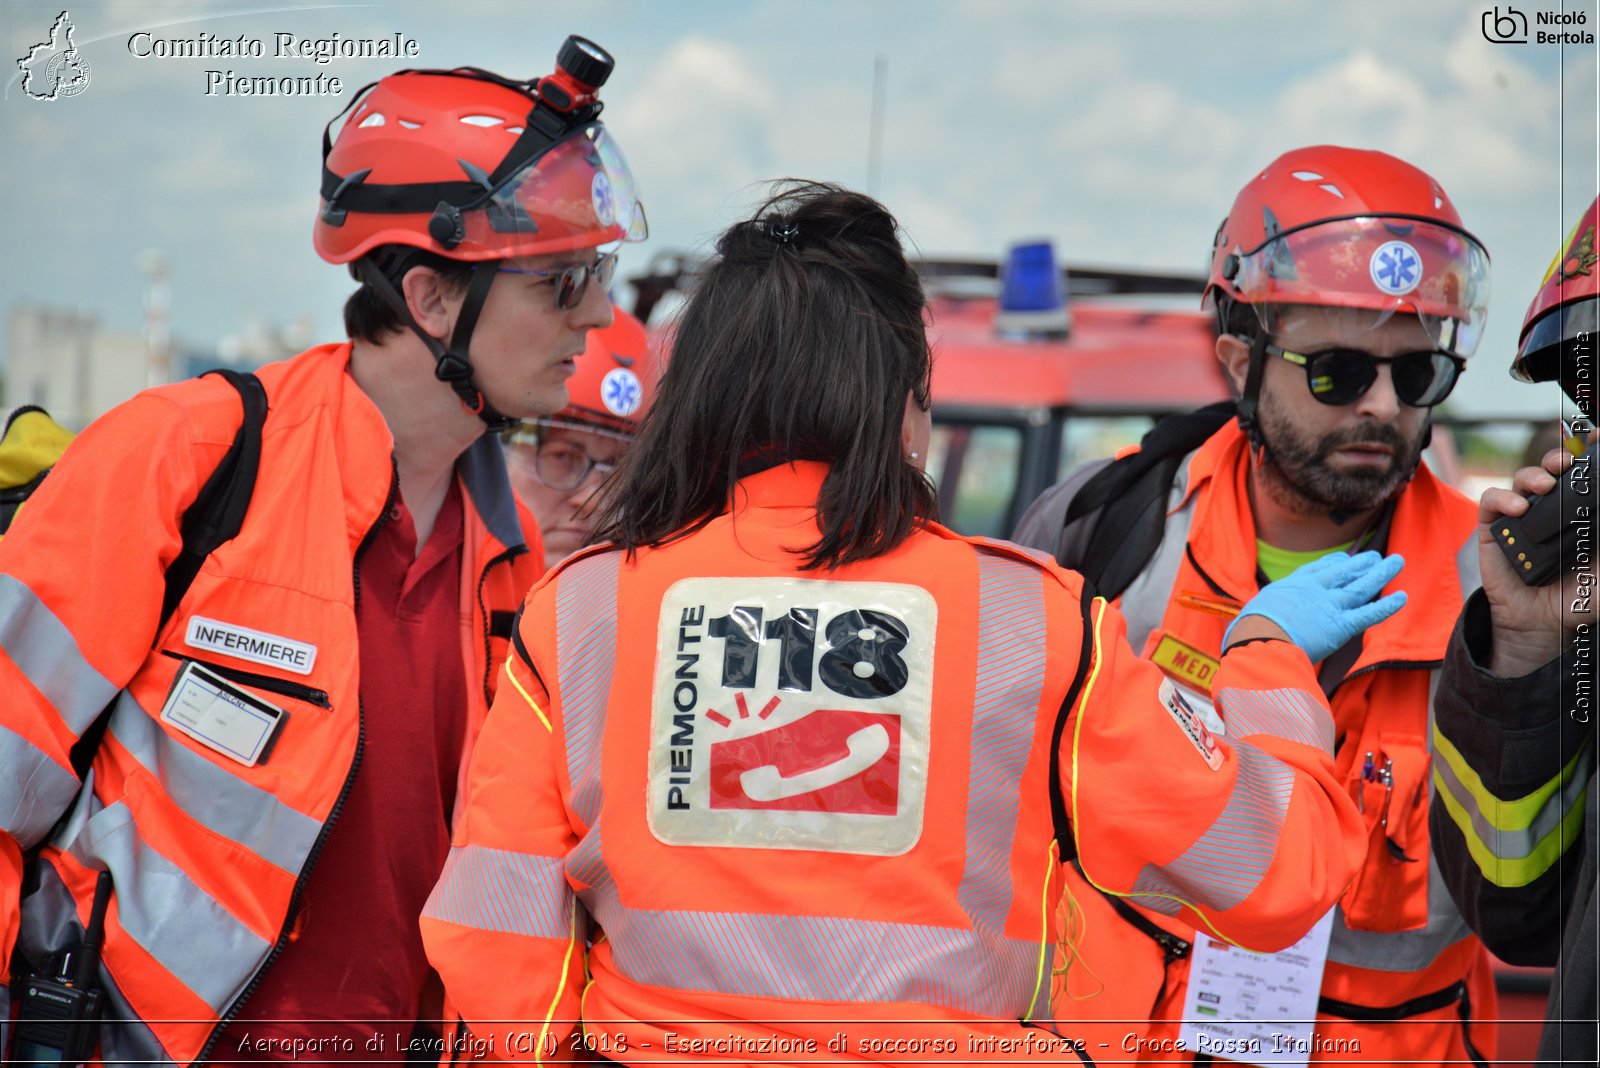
285,687
1388,665
1188,551
338,803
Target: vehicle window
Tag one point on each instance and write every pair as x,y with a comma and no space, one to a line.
1097,437
976,469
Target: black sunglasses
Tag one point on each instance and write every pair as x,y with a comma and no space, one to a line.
1341,376
571,283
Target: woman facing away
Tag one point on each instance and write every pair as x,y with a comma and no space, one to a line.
784,771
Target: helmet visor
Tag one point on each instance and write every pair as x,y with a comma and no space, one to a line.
1384,265
1558,342
577,194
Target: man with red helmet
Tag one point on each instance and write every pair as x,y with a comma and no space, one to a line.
367,598
1516,808
1348,296
558,463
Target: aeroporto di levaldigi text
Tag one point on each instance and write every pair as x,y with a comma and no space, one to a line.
317,50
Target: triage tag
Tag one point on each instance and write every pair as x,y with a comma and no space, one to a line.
1259,1008
221,716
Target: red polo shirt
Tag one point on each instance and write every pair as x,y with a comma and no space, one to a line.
354,967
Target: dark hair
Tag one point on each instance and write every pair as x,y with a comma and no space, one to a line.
800,341
368,317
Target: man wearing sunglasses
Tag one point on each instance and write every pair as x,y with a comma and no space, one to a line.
559,463
274,796
1348,296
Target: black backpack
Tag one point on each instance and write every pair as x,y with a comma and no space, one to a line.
1125,502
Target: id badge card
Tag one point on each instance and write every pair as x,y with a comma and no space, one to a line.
221,716
1259,1008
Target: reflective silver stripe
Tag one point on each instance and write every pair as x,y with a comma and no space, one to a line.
159,907
586,864
1517,843
815,958
1225,864
1144,603
34,790
48,656
1010,675
209,795
586,642
500,890
50,924
1284,713
1402,951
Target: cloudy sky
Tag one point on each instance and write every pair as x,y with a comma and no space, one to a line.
1119,128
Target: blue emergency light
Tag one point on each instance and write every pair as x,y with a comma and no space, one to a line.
1033,300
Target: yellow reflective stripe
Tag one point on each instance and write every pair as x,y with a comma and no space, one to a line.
1506,817
1503,815
531,702
1045,943
566,966
1510,872
1099,605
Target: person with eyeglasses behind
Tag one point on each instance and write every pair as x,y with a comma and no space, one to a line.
1348,295
559,463
275,790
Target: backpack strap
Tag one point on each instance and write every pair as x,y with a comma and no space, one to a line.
219,510
1125,502
215,517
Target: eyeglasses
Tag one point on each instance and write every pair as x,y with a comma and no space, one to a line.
572,283
564,465
1340,376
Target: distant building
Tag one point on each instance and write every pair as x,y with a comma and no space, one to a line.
65,362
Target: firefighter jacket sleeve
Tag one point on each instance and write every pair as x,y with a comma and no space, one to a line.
503,926
81,584
1513,763
1242,831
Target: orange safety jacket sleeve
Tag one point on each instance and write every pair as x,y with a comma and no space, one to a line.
1246,834
505,879
81,584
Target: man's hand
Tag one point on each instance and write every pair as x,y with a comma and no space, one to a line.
1531,623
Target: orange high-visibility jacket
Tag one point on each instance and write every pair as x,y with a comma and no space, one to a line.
790,807
207,854
1403,972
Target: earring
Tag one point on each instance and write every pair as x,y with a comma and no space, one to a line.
914,454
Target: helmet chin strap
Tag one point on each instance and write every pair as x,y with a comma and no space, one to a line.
451,364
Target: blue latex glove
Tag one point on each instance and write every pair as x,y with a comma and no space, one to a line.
1328,601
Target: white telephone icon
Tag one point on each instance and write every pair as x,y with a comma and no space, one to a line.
865,748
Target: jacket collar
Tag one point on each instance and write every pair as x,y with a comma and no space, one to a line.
368,473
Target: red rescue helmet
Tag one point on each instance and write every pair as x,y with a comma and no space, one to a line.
1357,229
471,166
615,383
1565,316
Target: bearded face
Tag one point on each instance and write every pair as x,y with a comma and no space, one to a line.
1348,469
